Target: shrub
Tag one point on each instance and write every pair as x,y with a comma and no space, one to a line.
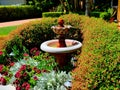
105,15
34,33
16,48
53,81
8,13
98,65
95,14
52,14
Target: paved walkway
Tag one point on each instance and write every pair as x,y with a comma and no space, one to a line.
18,22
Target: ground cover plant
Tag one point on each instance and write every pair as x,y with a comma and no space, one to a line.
98,64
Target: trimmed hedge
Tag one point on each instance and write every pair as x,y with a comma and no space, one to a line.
8,13
92,14
52,14
99,62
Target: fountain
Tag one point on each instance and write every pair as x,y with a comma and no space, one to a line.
61,47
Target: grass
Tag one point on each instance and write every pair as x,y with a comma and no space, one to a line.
7,30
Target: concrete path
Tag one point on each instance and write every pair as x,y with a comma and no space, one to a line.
18,22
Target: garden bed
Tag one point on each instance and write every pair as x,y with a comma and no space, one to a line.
98,63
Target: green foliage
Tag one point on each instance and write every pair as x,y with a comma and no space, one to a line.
18,12
44,5
101,50
35,33
46,61
52,14
95,14
53,81
16,48
105,15
60,8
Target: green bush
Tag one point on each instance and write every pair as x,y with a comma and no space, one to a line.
52,14
105,15
95,14
99,63
36,32
18,12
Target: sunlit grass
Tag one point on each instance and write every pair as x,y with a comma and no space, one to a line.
6,30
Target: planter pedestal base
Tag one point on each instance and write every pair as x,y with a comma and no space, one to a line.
62,58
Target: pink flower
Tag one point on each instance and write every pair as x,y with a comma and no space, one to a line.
18,88
37,53
26,86
18,75
33,49
1,52
2,81
23,67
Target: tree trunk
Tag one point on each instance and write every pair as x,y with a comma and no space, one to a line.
118,14
87,11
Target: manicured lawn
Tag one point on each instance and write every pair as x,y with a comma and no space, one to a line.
7,30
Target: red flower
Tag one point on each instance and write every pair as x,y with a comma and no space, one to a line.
16,81
34,51
2,81
25,74
5,73
26,86
35,78
18,75
37,70
37,53
1,52
18,88
23,67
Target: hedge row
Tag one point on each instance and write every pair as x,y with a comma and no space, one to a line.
52,14
8,13
99,62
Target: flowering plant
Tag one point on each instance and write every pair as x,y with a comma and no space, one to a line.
5,74
26,73
26,77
